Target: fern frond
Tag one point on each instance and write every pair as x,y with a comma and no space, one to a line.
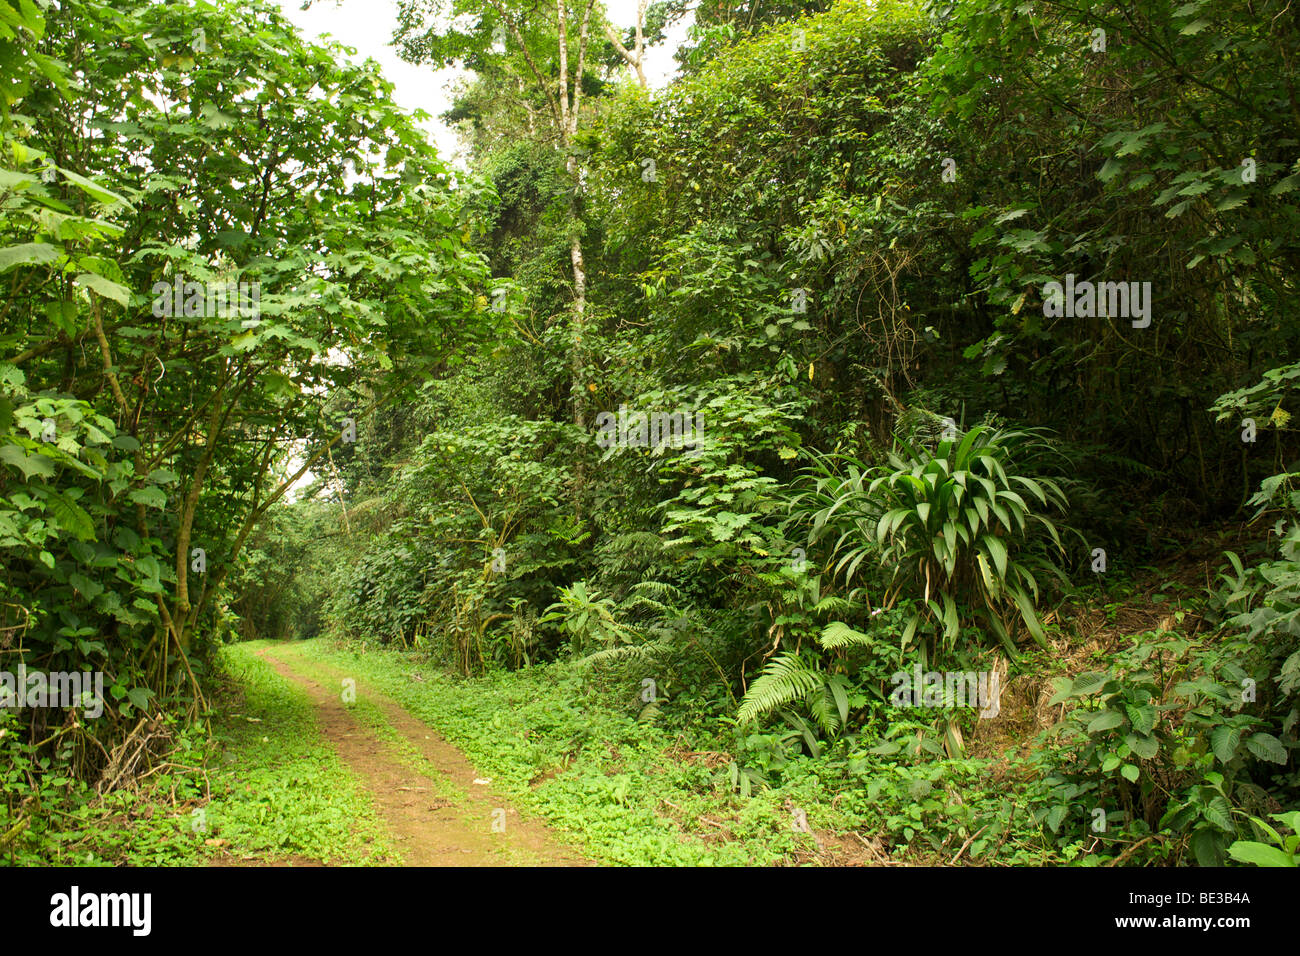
657,589
637,602
644,651
838,634
785,678
824,711
833,602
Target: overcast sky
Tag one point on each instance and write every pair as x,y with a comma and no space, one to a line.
368,26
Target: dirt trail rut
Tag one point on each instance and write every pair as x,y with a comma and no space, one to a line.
443,821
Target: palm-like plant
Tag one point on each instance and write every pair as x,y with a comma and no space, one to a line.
835,501
966,535
588,618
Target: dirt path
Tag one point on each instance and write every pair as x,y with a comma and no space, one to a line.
437,814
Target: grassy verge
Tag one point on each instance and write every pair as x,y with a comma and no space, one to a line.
277,791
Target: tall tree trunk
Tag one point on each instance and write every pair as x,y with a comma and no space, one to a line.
569,112
635,56
577,325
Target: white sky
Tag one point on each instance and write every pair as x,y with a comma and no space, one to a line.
368,26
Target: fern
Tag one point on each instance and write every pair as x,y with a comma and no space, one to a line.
654,596
642,652
630,553
789,677
833,602
786,677
838,634
660,589
830,703
919,425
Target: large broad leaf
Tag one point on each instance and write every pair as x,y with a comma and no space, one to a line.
1266,747
1143,717
13,181
1088,683
1144,747
34,464
139,696
1106,720
1259,854
1207,846
1224,742
28,254
1219,813
70,516
91,188
105,287
86,587
149,497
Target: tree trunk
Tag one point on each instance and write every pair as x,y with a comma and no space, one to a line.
577,325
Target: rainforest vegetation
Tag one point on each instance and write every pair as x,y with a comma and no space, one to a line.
871,445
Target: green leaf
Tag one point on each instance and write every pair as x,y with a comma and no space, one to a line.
70,517
838,634
1144,746
1259,854
1106,720
91,188
1224,741
1142,717
105,287
1088,683
1219,813
139,696
1207,847
28,254
148,496
33,464
1266,747
998,550
85,586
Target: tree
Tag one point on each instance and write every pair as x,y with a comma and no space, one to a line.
542,59
206,149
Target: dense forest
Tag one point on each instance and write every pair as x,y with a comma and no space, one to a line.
871,446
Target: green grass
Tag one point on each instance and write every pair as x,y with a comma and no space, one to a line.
277,790
611,785
372,717
285,789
